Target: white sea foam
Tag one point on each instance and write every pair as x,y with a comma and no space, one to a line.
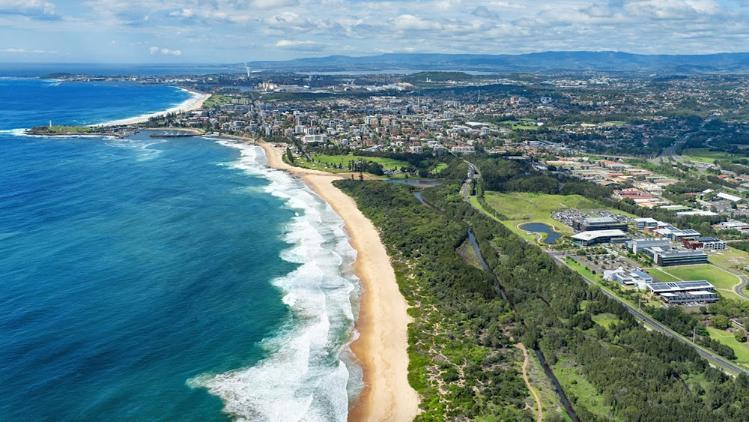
306,376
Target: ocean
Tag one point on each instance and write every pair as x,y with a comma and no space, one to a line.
162,279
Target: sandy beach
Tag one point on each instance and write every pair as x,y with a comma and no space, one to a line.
382,346
195,102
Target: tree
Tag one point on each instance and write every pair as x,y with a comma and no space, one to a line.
721,322
740,335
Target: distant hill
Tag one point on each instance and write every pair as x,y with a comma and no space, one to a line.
607,61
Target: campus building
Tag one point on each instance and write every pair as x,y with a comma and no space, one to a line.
588,238
669,256
709,243
637,245
646,223
635,277
599,223
682,292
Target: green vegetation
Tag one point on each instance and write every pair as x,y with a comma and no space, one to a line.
740,349
462,361
640,375
579,390
65,130
606,320
660,275
522,207
216,100
550,403
704,155
439,168
723,281
350,162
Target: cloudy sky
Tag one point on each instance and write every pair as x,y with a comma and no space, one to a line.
224,31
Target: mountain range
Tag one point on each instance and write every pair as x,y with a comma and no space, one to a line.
604,61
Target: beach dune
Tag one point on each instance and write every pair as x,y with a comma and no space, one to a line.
382,346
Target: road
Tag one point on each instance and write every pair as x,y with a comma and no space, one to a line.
711,357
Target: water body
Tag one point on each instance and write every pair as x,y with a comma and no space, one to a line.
162,279
551,235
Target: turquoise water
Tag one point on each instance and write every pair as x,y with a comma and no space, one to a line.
163,279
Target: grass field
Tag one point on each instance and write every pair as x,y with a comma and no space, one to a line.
660,275
606,320
524,207
721,279
727,338
704,155
438,169
332,163
522,124
579,389
730,258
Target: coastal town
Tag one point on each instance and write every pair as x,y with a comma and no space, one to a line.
618,186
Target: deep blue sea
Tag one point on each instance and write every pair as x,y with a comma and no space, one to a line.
162,279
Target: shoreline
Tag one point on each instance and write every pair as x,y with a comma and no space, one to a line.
195,102
382,323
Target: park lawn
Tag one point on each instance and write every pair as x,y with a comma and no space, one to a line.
326,162
525,207
727,338
513,227
704,155
660,275
723,281
579,390
606,320
439,168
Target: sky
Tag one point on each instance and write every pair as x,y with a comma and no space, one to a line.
232,31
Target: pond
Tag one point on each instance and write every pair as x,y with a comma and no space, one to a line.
551,235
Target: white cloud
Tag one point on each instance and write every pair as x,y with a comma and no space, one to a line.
25,51
31,8
155,51
299,45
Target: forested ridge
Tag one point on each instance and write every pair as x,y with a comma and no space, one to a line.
642,375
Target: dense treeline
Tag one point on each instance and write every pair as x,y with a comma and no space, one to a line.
461,357
642,375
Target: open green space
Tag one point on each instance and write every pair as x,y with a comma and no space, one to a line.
727,338
340,163
438,168
580,391
730,258
660,275
605,320
723,281
704,155
525,207
522,124
216,100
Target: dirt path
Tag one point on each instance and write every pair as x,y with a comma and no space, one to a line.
526,378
